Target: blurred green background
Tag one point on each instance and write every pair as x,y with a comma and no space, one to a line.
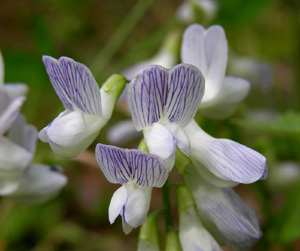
109,36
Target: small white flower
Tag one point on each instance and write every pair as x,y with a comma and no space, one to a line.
162,102
138,172
87,108
207,49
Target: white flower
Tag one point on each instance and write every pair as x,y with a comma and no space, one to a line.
87,108
162,102
223,213
224,162
138,172
207,49
193,236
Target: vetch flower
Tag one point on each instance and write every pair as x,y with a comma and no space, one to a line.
162,102
207,50
87,108
222,212
192,234
138,172
224,162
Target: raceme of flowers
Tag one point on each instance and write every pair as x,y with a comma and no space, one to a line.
163,103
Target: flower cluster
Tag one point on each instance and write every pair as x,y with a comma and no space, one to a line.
163,103
20,179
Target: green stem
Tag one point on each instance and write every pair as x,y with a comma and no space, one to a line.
119,36
167,207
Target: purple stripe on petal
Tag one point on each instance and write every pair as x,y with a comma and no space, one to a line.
123,165
186,88
74,84
147,94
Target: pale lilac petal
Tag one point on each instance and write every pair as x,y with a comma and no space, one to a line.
122,165
14,90
236,223
13,158
185,91
117,203
182,140
123,132
207,50
72,132
38,184
225,158
23,134
147,96
74,84
137,207
232,92
10,114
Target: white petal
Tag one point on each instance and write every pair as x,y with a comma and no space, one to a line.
71,133
15,90
117,203
8,185
232,92
182,140
10,114
74,84
122,132
160,141
13,159
126,228
206,49
122,166
39,184
137,207
234,220
225,158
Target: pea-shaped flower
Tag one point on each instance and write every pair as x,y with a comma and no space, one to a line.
164,101
207,50
138,172
87,108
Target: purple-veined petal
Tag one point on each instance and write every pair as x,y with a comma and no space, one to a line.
206,49
137,207
226,215
74,84
147,96
122,166
232,92
72,132
117,203
38,184
185,91
225,158
10,114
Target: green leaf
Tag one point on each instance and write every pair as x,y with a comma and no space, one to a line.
285,125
